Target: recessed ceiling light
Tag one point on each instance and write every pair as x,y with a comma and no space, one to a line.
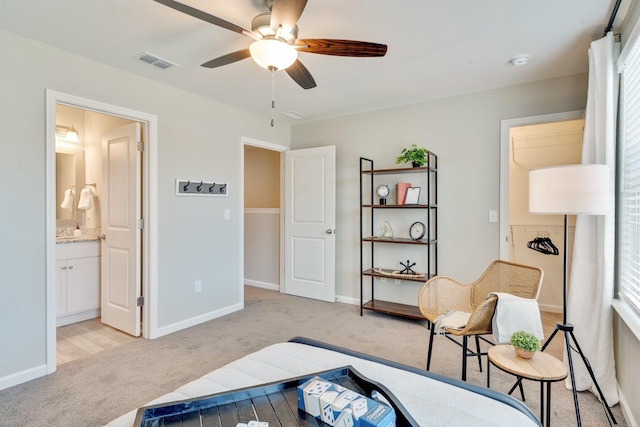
519,60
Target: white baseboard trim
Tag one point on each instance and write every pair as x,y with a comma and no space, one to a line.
348,300
550,308
23,376
77,317
184,324
263,285
626,409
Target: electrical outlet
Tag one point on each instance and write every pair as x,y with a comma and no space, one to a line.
227,214
198,285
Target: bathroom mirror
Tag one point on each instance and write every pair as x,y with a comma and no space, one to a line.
69,182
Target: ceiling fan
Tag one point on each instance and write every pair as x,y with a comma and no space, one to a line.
276,45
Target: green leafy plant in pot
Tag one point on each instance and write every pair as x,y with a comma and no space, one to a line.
414,155
525,344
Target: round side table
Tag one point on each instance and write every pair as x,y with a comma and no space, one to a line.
541,367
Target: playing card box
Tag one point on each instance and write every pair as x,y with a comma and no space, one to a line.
341,407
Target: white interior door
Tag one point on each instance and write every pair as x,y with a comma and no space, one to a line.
309,226
120,269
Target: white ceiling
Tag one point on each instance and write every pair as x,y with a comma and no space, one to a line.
436,48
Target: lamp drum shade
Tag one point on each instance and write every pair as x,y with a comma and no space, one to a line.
569,190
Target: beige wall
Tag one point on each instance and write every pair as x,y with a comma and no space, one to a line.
262,217
197,137
464,132
261,178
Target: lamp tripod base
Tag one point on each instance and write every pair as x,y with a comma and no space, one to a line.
569,338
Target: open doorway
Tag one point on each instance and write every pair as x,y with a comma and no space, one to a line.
262,182
532,143
306,235
95,122
80,209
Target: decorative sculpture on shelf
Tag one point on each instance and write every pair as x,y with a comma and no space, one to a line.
407,267
386,232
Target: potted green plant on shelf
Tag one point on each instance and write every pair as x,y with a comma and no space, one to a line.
525,344
414,155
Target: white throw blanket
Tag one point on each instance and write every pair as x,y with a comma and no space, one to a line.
515,313
451,319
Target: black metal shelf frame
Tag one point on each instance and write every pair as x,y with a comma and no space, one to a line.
366,237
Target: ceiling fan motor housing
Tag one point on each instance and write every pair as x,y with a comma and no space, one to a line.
261,24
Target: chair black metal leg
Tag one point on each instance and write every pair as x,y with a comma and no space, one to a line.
478,352
464,358
431,334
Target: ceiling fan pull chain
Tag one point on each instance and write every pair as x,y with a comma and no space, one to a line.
273,92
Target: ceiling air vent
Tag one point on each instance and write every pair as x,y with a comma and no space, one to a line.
295,115
154,60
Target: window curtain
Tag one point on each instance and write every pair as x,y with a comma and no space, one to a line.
591,287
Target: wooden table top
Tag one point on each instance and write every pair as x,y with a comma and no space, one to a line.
541,367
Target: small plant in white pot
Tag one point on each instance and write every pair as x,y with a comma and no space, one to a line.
525,344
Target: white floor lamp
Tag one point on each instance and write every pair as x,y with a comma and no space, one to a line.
570,190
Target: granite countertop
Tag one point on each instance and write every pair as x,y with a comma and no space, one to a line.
75,239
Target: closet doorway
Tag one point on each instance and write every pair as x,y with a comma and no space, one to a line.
262,184
532,143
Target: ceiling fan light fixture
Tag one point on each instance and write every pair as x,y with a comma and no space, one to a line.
273,53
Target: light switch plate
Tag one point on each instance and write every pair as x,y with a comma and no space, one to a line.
493,216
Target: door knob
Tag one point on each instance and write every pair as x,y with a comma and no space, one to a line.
101,237
329,231
71,267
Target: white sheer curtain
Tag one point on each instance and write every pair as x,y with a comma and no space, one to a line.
591,286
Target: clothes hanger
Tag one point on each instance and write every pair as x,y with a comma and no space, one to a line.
543,245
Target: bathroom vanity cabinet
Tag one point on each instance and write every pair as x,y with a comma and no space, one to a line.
78,281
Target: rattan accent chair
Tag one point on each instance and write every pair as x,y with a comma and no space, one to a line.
441,294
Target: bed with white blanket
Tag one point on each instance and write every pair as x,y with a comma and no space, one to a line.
431,399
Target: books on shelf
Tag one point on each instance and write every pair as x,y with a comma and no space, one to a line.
401,192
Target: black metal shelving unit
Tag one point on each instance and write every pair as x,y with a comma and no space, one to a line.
427,212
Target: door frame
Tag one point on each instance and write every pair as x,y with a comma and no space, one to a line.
505,127
149,256
273,147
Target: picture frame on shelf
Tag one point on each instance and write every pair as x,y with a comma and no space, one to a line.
412,196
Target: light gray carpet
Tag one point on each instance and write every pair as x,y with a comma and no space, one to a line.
93,391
